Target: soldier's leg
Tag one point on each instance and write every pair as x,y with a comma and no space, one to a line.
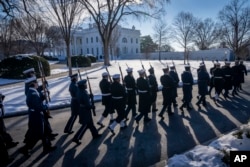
69,125
79,134
5,159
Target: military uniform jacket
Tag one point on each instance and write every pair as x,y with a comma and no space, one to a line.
243,71
36,117
203,80
118,94
168,86
83,99
153,86
211,83
187,87
131,89
144,95
227,71
218,78
105,89
236,75
74,103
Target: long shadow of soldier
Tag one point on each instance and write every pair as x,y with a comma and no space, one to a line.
118,149
147,144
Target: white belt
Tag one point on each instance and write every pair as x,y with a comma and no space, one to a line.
186,83
129,88
228,75
120,97
142,91
106,94
218,77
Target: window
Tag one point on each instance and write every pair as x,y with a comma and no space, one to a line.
91,39
136,50
97,51
92,50
131,40
87,40
87,50
124,40
136,40
96,39
80,40
124,50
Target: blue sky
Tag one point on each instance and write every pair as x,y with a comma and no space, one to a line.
199,8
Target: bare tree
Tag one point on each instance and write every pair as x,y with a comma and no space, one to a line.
6,36
205,34
113,41
66,14
183,33
161,34
33,29
235,25
108,13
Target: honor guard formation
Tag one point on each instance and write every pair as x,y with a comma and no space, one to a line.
119,97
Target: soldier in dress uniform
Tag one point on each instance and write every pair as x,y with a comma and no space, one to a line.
85,114
48,130
106,99
243,71
118,101
144,97
130,85
211,83
36,125
236,77
203,80
168,88
74,105
218,81
187,87
227,71
175,76
153,88
3,132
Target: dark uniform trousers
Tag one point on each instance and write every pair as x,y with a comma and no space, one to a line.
144,105
119,106
74,113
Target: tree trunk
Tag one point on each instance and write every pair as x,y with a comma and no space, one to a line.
69,59
106,53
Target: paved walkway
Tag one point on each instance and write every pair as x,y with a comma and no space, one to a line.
137,146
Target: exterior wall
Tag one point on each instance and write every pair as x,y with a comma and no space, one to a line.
88,41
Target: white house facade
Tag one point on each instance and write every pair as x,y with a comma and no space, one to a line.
125,42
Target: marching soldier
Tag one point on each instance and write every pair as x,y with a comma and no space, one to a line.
176,79
218,81
48,130
203,80
36,125
153,88
3,132
236,77
168,86
106,99
118,101
85,114
187,87
227,71
211,83
74,105
243,71
130,84
144,97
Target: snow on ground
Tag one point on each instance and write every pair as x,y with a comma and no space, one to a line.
205,156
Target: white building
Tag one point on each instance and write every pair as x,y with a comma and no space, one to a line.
125,42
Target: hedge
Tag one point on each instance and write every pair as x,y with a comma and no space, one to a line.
80,61
13,67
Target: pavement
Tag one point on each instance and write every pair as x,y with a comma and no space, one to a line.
143,145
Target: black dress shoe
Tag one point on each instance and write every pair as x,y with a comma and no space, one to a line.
53,134
69,132
147,119
154,110
97,136
170,113
24,151
160,115
8,161
111,130
76,141
124,127
181,108
175,105
49,149
99,123
11,144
